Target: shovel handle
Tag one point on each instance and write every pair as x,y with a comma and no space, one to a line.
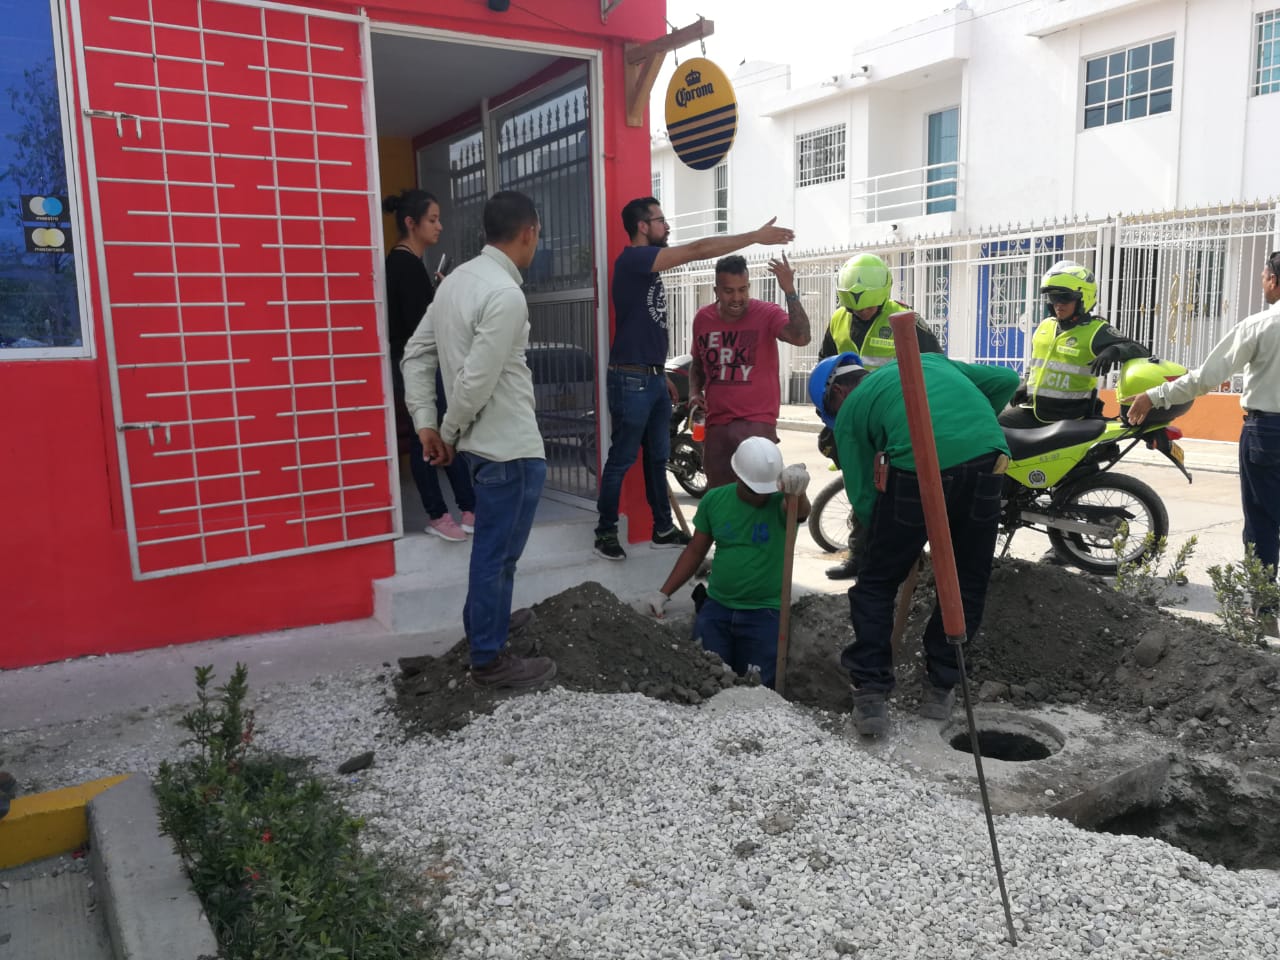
784,605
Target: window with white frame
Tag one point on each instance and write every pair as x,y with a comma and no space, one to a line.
42,309
655,186
1129,84
820,155
721,174
1266,74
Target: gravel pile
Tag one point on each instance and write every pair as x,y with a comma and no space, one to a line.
578,826
575,826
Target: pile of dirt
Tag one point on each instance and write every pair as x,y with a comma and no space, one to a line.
599,644
1051,634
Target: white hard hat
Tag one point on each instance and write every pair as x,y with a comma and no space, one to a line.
758,464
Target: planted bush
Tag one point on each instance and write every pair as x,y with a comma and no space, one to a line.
273,857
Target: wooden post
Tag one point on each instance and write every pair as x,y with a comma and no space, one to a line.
905,593
644,60
676,511
784,607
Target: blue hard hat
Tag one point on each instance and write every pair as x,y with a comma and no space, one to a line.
822,375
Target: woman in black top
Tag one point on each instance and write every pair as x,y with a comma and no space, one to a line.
409,292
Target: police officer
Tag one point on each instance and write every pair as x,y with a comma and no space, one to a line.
861,325
868,414
1070,350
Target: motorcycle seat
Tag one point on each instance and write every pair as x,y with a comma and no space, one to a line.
1053,436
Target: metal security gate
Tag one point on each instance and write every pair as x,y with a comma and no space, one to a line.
543,149
229,148
1182,280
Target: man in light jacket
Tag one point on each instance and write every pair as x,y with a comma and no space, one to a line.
476,330
1254,348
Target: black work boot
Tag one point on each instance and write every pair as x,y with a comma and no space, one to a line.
871,712
8,790
846,569
936,702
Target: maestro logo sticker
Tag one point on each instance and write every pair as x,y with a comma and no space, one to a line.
702,113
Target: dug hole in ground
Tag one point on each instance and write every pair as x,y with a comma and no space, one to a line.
650,805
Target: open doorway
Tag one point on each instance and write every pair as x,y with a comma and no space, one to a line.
463,119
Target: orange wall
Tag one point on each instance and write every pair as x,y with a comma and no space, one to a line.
1215,416
396,171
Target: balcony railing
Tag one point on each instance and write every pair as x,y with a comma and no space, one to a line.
696,224
934,188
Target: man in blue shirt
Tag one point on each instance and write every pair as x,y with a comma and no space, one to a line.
639,398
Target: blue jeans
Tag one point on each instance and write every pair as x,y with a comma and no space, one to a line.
1260,486
425,476
507,493
640,409
894,541
742,638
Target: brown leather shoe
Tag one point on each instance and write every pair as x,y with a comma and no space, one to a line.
520,619
507,671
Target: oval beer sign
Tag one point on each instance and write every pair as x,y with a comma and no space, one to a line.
702,113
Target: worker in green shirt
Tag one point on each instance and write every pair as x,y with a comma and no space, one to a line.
746,521
867,412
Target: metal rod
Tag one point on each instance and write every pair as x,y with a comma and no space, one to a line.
982,789
929,475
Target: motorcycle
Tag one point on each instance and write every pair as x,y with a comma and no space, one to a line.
685,459
1060,482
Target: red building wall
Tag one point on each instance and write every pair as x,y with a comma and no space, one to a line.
66,587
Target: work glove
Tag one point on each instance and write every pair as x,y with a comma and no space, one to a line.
1019,396
654,604
1104,361
794,480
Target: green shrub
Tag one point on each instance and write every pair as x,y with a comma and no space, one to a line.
1248,598
1141,578
274,859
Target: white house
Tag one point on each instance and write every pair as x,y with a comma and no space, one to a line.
975,147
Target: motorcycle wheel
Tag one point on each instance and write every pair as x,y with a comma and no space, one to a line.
831,517
1094,555
686,464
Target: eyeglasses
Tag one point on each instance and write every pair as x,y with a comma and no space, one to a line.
662,220
1060,296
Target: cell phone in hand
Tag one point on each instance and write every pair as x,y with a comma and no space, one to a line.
440,267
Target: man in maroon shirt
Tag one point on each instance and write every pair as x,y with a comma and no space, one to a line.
734,374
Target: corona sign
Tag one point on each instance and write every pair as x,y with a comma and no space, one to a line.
702,113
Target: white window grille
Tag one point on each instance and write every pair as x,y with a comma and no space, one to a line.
234,228
820,155
721,174
1129,84
655,186
1266,76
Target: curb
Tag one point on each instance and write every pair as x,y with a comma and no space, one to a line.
150,909
801,426
41,825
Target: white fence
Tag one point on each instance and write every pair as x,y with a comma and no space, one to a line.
1176,281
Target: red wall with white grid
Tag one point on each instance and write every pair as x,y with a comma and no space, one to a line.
66,585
